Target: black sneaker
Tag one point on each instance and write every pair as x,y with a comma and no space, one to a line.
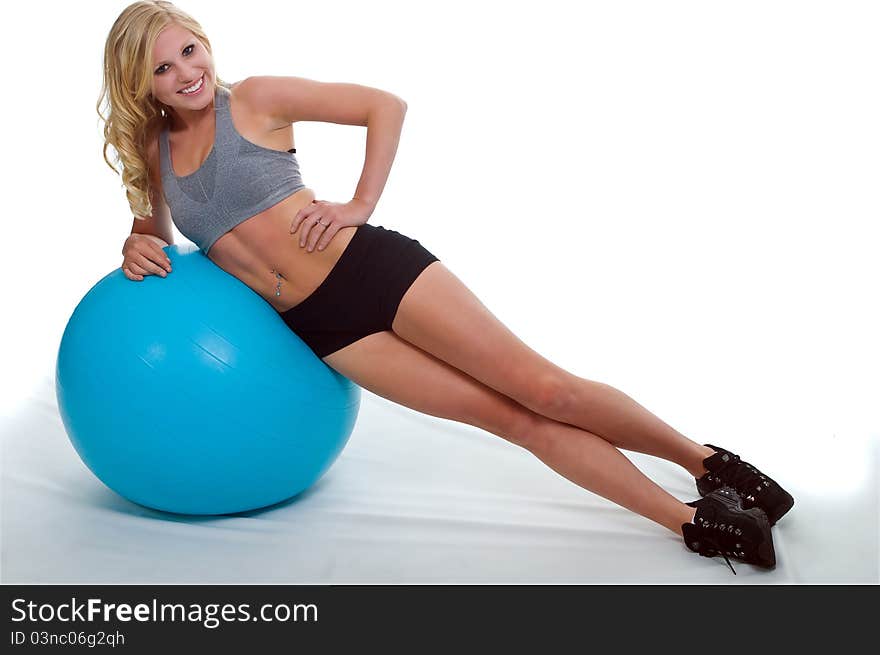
755,488
723,527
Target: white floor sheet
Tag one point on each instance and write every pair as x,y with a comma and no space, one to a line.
412,499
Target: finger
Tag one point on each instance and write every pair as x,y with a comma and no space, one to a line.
149,266
300,216
161,257
161,261
297,221
309,226
317,233
315,230
329,233
137,270
130,275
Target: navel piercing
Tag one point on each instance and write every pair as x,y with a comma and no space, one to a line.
278,286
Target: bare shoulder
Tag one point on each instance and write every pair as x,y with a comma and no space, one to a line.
247,91
251,93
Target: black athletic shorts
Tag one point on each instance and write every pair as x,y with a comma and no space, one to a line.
361,293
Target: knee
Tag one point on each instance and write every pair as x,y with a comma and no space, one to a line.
555,396
528,430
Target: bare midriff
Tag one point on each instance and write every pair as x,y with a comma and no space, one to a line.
258,248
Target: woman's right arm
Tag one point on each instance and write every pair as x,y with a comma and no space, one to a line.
142,251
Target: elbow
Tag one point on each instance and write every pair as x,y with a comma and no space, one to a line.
396,100
388,105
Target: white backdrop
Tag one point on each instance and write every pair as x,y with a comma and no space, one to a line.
677,198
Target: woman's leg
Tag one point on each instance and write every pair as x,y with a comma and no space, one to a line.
616,417
593,463
390,367
440,315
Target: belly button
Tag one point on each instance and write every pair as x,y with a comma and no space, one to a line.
278,286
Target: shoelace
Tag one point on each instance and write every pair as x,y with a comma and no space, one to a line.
712,539
746,479
715,550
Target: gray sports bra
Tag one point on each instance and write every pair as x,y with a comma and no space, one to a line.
239,179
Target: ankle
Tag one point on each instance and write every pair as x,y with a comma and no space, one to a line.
686,516
695,464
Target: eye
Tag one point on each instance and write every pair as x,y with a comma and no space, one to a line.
159,70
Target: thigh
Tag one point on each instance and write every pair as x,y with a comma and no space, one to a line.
388,366
440,315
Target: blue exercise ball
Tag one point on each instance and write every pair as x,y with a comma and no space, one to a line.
189,394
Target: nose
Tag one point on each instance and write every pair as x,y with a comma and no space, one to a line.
184,82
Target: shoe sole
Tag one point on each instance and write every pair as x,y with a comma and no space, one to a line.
759,517
789,503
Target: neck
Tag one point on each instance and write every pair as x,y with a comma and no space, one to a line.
191,120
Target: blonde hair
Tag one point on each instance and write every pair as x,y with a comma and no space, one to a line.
134,115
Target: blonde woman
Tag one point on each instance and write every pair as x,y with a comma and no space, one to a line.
219,161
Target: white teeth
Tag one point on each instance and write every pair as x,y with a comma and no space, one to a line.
194,87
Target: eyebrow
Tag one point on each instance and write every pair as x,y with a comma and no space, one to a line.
186,43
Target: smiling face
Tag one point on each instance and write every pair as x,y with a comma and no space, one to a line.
180,61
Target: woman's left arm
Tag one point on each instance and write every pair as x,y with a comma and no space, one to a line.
321,220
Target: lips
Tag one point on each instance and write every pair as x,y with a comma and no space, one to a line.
202,78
